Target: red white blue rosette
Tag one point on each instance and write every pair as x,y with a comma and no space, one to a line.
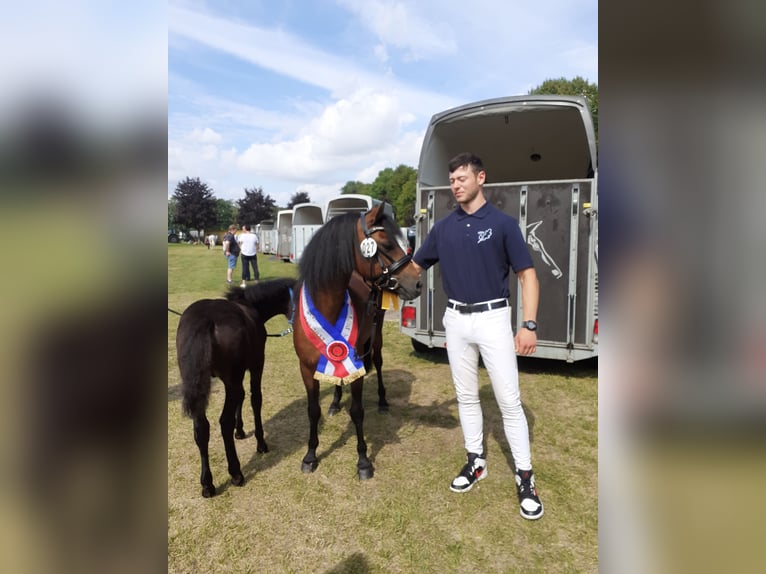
337,351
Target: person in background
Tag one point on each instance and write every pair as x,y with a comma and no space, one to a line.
248,243
476,246
231,250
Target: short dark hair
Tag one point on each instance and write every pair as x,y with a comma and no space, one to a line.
247,227
466,158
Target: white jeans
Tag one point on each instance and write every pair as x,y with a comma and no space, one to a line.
489,334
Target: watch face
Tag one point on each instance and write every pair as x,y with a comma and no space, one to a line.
531,325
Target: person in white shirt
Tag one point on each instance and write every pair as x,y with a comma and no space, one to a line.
248,243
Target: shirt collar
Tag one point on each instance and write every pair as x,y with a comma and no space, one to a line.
480,213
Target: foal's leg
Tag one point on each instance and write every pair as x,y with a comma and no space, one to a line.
256,400
239,425
310,461
363,466
235,394
335,404
202,437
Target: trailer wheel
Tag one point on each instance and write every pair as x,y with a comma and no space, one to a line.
172,238
421,347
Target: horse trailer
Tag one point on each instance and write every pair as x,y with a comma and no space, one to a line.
539,153
307,218
352,203
267,236
284,234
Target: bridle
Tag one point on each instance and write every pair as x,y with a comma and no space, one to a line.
386,279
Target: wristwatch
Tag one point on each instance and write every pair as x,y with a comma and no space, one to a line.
531,325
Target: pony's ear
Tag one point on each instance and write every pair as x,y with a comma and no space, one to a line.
381,211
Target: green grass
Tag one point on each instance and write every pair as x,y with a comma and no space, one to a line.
405,519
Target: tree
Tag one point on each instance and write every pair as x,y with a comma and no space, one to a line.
576,87
225,213
255,207
172,211
195,205
298,197
355,187
398,187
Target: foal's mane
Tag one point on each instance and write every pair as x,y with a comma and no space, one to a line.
262,295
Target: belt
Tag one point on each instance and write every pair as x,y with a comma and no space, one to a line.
477,307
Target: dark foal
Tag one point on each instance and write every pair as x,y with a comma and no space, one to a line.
224,338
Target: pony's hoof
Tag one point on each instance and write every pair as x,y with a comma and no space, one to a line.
262,447
365,473
307,467
238,480
240,434
382,409
333,410
208,491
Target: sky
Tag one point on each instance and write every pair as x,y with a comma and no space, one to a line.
306,95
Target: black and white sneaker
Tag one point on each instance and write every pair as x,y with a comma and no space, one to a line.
473,471
530,506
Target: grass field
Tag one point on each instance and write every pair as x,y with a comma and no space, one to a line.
405,519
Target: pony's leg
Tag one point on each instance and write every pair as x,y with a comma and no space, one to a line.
239,425
202,437
256,400
363,467
377,359
310,461
235,394
335,404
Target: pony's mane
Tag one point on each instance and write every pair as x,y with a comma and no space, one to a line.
263,293
330,253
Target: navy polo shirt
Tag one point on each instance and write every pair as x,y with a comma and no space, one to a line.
475,253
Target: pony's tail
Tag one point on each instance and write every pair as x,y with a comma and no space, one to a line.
194,360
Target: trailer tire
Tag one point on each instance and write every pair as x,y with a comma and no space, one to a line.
421,347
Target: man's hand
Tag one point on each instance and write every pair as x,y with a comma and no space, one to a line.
526,342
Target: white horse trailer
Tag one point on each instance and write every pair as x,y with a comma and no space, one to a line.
307,218
266,236
284,234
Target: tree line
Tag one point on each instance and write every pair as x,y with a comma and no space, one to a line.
194,206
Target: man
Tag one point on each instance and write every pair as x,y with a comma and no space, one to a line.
231,250
476,245
248,243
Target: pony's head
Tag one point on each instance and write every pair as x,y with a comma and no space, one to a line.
380,258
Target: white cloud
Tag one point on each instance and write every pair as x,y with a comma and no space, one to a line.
399,24
205,135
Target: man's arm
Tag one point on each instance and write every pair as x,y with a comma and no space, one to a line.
526,340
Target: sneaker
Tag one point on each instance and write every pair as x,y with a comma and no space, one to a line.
243,285
530,506
473,471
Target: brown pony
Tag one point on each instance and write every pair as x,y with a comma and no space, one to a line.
365,243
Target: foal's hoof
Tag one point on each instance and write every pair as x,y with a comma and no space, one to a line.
333,410
238,480
365,473
240,434
307,467
262,447
382,409
208,491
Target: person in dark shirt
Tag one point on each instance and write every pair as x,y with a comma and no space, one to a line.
476,246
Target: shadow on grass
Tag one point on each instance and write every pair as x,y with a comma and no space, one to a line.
354,564
287,431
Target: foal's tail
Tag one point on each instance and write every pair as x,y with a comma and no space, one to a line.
195,348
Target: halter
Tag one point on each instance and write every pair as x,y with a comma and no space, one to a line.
386,279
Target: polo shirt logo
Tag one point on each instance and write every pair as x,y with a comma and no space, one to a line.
484,235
